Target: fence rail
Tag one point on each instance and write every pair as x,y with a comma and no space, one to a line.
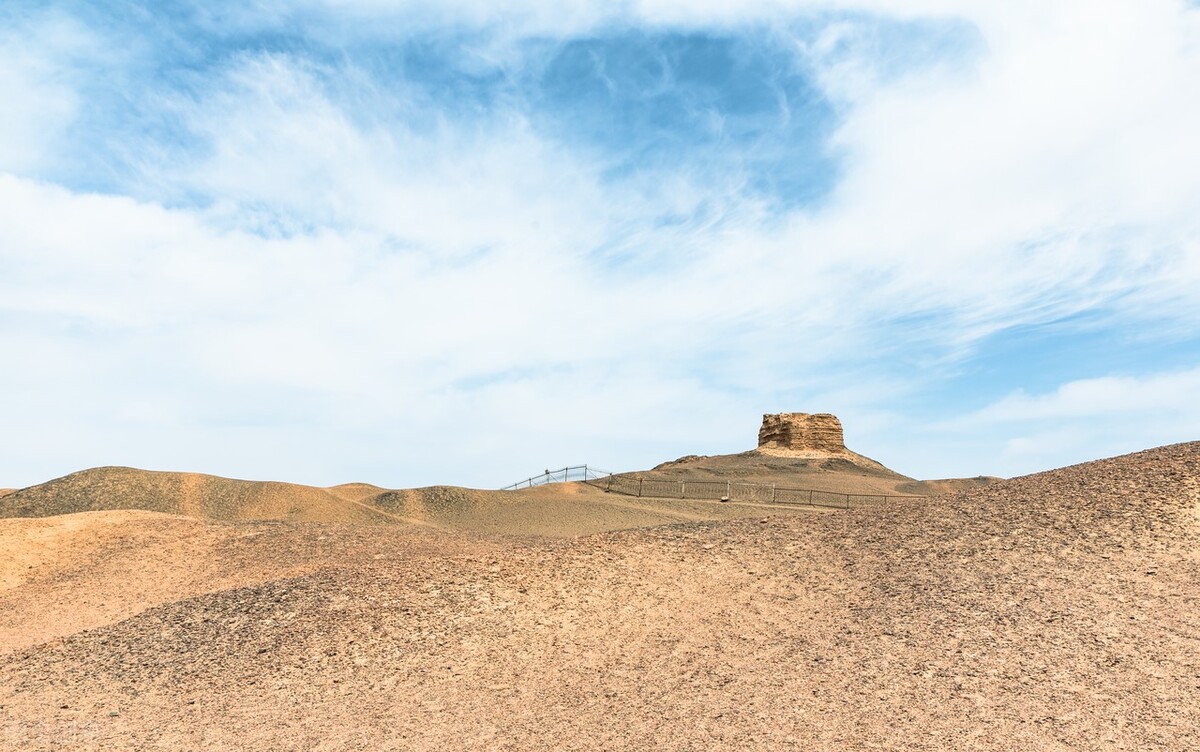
764,493
584,473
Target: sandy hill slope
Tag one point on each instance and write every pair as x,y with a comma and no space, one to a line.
557,510
837,474
1054,611
355,491
796,451
7,491
63,574
189,494
946,485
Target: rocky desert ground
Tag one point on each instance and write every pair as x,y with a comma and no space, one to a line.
1055,611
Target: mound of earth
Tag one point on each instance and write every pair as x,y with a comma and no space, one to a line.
838,474
67,573
188,494
802,451
796,451
1053,611
946,485
7,491
809,436
558,510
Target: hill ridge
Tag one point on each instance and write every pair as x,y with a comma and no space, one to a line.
1042,612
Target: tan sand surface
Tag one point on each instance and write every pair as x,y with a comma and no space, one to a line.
188,494
1056,611
557,510
852,473
72,572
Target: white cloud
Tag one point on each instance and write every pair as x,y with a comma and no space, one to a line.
364,292
134,322
279,143
1079,421
1056,172
37,88
1118,397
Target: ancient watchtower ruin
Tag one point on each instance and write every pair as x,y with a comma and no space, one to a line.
819,432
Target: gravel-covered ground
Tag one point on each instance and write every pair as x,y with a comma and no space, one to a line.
1055,611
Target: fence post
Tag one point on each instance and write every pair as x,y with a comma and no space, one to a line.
753,490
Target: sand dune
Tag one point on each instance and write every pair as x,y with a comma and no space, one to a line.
1053,611
63,574
557,510
946,485
187,494
795,469
356,491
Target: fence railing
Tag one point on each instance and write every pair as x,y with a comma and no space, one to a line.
764,493
710,490
584,473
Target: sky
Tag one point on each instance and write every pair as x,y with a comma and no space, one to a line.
414,243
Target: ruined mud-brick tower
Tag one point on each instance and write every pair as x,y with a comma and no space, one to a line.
819,432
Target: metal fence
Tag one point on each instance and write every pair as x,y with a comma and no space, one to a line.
584,473
763,493
655,488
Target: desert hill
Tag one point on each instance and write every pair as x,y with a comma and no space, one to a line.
796,450
188,494
567,509
946,485
834,474
803,450
1053,611
66,573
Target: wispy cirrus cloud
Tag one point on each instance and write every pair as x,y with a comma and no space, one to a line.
39,59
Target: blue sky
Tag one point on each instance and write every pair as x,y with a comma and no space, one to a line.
338,240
